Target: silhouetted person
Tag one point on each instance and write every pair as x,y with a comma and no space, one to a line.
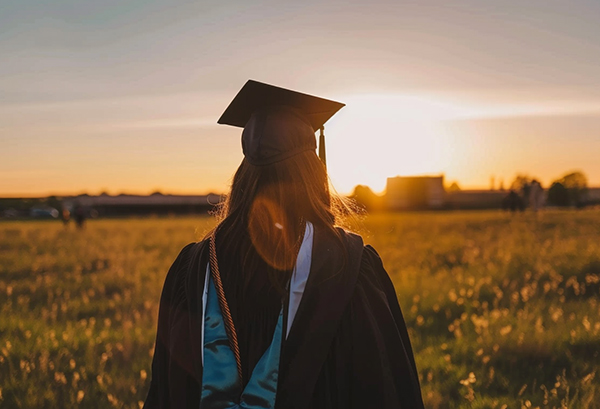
79,214
536,195
232,332
512,202
65,215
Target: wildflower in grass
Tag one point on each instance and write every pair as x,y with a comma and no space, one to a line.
588,378
522,390
112,399
556,314
586,323
452,295
471,379
60,378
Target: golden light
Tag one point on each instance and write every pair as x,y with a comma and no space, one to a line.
378,136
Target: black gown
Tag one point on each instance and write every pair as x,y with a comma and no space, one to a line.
348,346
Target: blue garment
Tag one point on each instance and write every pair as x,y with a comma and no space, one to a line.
221,385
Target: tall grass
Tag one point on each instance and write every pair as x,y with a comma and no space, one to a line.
503,311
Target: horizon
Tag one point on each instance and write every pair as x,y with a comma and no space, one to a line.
500,185
103,97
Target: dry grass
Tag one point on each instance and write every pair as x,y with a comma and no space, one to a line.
504,312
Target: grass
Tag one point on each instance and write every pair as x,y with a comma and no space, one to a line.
504,312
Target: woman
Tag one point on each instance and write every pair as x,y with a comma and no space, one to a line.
278,307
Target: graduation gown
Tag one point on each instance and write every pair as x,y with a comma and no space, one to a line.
348,346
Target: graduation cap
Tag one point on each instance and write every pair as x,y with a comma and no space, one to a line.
278,123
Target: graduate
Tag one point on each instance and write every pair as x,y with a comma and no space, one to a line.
278,307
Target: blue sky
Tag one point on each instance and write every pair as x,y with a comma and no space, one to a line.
124,95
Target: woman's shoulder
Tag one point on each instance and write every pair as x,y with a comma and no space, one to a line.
186,255
370,264
355,242
186,262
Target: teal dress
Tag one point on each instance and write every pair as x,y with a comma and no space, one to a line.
220,380
221,385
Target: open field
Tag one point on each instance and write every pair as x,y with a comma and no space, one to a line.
504,311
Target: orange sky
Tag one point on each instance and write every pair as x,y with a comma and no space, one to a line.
124,96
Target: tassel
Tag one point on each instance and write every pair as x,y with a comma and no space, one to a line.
322,146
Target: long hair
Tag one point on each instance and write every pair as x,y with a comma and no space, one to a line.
262,219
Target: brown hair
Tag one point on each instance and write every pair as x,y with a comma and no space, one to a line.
262,219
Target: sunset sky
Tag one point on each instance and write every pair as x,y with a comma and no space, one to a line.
124,95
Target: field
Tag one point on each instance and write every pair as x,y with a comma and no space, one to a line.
504,312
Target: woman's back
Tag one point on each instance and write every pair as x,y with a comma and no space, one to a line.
255,304
348,346
278,307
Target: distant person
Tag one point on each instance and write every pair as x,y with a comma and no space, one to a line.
79,215
513,202
278,307
536,195
65,215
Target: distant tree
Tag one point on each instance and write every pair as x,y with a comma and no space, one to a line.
454,187
558,195
522,185
364,197
501,185
576,185
53,201
574,180
520,182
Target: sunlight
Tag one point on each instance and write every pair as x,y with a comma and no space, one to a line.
378,136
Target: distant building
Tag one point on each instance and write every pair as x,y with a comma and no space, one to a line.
475,199
428,192
415,192
155,204
593,196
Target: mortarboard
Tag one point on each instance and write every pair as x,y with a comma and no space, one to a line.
278,123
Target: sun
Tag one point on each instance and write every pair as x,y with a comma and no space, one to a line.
378,136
